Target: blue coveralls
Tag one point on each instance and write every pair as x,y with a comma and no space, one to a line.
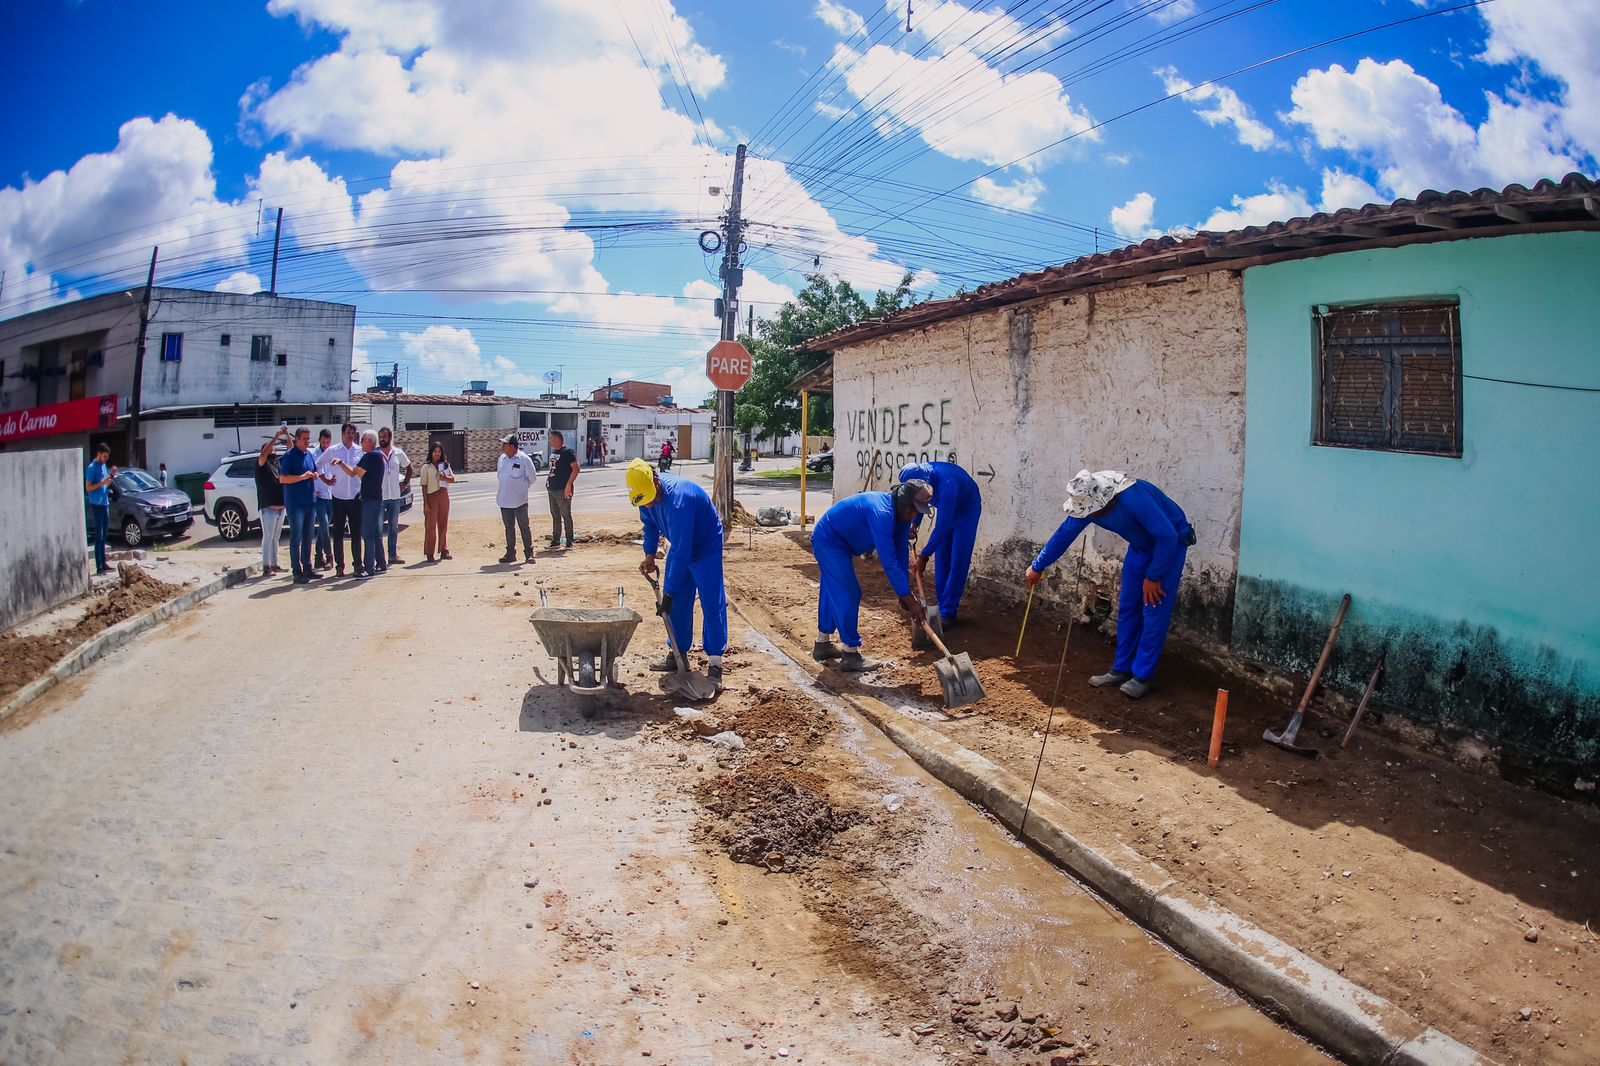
1158,535
958,506
685,515
854,526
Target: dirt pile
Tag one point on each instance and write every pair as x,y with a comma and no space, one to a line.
778,818
22,659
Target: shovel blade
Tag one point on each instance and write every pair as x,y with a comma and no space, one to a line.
689,685
958,681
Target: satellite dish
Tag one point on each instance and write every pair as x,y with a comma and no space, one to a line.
551,377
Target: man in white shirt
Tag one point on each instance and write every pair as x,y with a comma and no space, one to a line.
346,492
397,475
516,479
322,505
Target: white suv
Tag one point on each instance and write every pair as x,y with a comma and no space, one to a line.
231,498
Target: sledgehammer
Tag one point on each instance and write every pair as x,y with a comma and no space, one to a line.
1286,739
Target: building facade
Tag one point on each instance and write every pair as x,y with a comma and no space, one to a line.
1406,447
643,393
472,425
220,371
1397,402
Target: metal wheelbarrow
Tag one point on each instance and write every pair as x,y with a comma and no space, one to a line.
585,643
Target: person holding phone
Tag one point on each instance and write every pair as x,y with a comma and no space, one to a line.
437,477
297,471
97,486
269,499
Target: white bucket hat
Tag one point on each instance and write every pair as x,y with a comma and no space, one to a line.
1088,492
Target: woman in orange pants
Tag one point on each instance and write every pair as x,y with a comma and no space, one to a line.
436,479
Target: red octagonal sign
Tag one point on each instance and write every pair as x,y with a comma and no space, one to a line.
729,366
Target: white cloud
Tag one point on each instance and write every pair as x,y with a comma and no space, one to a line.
1118,159
450,355
838,18
1021,195
1277,204
240,281
1218,105
1170,13
980,114
786,46
1340,189
1561,39
362,358
102,216
946,23
1394,119
1135,218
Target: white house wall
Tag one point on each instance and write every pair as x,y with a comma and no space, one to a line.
1144,378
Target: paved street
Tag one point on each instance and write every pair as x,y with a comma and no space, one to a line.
352,823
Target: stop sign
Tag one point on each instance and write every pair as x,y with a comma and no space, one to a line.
729,366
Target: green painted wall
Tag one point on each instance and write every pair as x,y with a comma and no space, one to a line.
1479,574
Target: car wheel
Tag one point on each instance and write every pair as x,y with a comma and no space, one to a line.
132,532
230,521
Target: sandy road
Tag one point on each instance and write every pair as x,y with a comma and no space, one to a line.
362,830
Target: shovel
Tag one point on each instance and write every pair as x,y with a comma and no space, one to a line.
956,675
685,683
1286,739
930,615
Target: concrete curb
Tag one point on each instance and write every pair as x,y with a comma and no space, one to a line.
110,640
1341,1015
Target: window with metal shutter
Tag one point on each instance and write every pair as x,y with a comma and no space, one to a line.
1390,378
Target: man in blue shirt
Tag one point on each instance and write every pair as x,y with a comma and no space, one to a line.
97,485
1158,537
369,470
297,470
680,510
867,521
958,506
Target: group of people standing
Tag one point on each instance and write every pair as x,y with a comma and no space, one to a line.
354,489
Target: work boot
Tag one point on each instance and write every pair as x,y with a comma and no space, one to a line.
948,621
1133,688
668,664
714,672
823,650
509,557
1114,677
853,662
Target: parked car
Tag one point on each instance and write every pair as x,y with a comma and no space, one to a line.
231,498
820,462
141,508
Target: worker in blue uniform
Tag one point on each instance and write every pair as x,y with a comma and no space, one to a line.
680,510
867,521
957,506
1158,536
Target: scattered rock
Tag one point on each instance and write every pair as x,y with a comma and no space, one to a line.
1531,934
1525,1013
893,801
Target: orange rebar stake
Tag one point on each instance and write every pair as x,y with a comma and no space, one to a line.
1216,728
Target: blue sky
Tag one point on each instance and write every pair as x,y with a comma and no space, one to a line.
506,187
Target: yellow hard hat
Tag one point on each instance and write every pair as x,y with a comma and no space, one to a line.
641,483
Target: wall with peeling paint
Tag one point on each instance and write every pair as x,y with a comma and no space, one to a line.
1143,377
1477,573
43,556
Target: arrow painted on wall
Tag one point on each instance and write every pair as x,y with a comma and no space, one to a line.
989,473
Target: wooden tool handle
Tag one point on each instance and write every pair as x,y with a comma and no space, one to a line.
937,643
1327,650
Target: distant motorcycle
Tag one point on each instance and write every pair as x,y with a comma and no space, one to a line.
664,463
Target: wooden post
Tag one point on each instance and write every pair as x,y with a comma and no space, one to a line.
805,454
1217,719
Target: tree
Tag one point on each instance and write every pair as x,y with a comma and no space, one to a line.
821,307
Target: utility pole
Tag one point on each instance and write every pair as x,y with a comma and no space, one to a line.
732,276
135,453
277,238
394,400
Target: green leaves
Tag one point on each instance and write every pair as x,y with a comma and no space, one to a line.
823,306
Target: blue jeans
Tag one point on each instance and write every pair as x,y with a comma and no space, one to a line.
391,523
300,541
101,513
322,527
372,535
